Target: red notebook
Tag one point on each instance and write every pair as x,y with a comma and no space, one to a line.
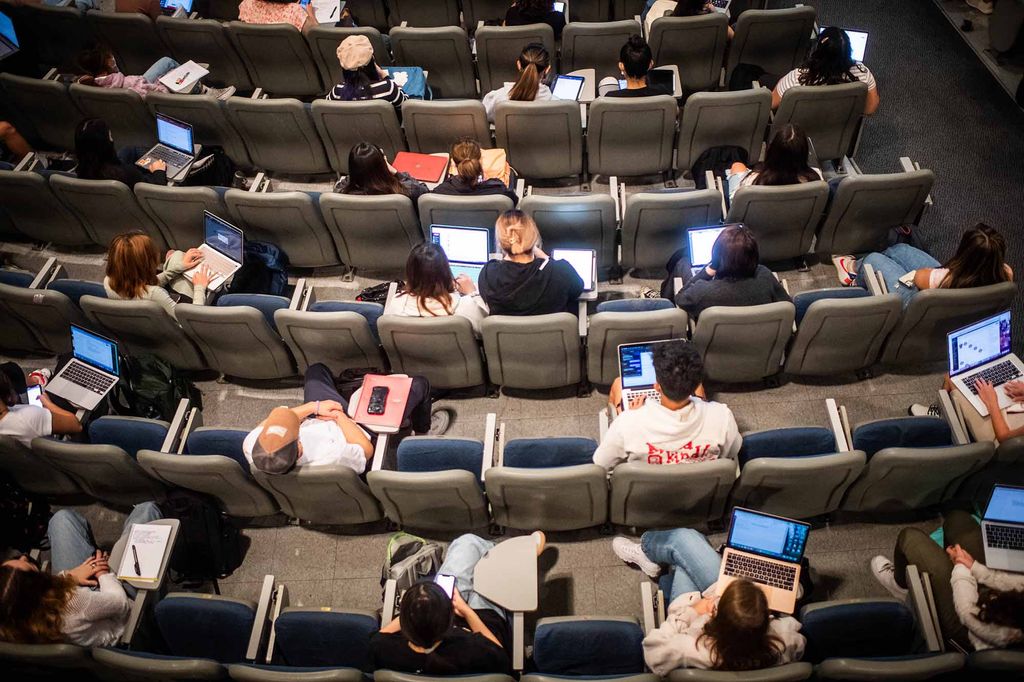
398,386
423,167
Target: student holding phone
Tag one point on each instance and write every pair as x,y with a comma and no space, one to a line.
24,422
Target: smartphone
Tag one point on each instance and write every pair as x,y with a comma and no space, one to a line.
33,394
907,280
447,583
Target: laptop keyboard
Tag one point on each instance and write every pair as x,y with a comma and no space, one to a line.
768,573
996,375
648,393
219,265
86,377
170,156
1004,537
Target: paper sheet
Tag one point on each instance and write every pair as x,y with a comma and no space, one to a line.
144,552
183,78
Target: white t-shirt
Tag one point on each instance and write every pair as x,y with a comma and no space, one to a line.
492,98
470,307
858,71
25,422
323,442
700,432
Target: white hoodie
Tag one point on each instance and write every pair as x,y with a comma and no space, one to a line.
470,307
699,432
964,582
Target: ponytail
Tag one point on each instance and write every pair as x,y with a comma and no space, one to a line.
466,157
533,62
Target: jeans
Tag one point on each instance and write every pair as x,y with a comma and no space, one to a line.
463,554
893,263
160,67
319,385
695,564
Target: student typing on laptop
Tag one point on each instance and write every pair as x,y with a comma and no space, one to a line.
134,272
432,291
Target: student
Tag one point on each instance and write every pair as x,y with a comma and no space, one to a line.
278,12
25,422
525,281
134,273
370,173
680,427
468,179
361,78
13,147
831,62
524,12
973,617
431,291
97,160
732,631
635,61
655,9
83,603
534,65
785,163
100,70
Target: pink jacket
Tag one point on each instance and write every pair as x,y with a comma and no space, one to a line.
136,83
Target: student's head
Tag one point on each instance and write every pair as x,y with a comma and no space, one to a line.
467,159
429,276
785,159
132,264
830,60
517,233
359,70
635,57
368,171
979,260
535,7
734,254
533,64
689,8
31,603
96,61
8,396
277,448
94,148
737,634
1004,608
425,614
678,369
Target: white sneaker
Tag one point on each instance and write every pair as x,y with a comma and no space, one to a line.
922,410
633,554
846,269
885,573
983,6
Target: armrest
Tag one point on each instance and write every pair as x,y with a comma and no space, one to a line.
520,188
180,13
603,420
581,318
180,420
660,608
194,15
844,418
280,601
387,612
257,94
490,436
836,423
28,162
501,444
613,189
299,295
648,606
920,600
194,421
405,24
379,450
952,418
46,274
258,183
872,280
51,75
723,195
259,625
392,292
908,165
677,285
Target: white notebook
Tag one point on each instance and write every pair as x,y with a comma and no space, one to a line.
183,78
144,552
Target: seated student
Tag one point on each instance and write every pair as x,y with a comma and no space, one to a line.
370,173
731,631
831,62
469,177
25,422
83,603
525,281
97,159
100,70
525,12
278,12
635,61
655,9
977,607
13,147
785,163
431,291
134,273
534,65
437,635
682,427
361,78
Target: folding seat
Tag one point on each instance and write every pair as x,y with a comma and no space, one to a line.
329,495
45,661
392,676
715,119
74,290
466,211
498,48
829,114
996,663
777,40
277,58
631,136
47,116
289,219
670,495
432,126
20,335
476,11
106,208
342,125
783,218
340,334
695,45
580,221
744,343
33,474
443,349
322,638
372,232
323,42
370,13
840,330
142,327
443,52
38,320
588,10
178,211
1004,467
123,110
105,468
543,139
628,321
279,135
209,120
588,647
437,485
421,14
237,336
654,224
205,41
536,351
131,37
58,34
548,483
593,45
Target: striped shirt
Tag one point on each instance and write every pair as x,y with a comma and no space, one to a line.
858,71
385,89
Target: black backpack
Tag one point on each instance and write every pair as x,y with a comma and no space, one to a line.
717,160
208,546
264,271
150,387
23,517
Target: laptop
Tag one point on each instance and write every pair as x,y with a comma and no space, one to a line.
660,79
721,6
567,87
584,262
765,550
174,148
982,351
423,167
1002,528
8,39
90,374
559,6
223,250
858,42
699,243
636,368
467,248
172,6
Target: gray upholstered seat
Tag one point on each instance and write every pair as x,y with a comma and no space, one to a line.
591,45
829,114
498,48
610,329
144,327
417,13
578,221
543,139
279,134
265,673
533,351
32,473
331,495
178,211
343,125
670,495
277,58
372,232
58,34
744,343
42,661
444,52
434,126
130,36
784,218
695,45
1005,467
475,11
443,349
370,13
714,119
206,41
123,109
40,316
106,208
996,661
209,120
466,211
289,219
392,676
654,224
46,112
791,672
341,340
631,136
777,40
323,42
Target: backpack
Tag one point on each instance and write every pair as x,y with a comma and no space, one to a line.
208,546
151,387
264,271
409,559
410,79
219,171
24,518
378,293
717,160
495,166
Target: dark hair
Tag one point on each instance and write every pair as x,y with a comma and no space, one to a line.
830,60
31,605
428,275
468,161
535,8
1001,607
678,368
636,57
689,8
532,63
94,148
425,613
737,635
356,82
94,61
785,159
734,254
980,260
368,172
8,396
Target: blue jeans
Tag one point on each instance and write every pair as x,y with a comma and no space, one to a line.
159,68
463,554
695,564
893,263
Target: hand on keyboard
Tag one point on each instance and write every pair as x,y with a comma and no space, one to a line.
202,277
193,257
156,165
987,395
1015,390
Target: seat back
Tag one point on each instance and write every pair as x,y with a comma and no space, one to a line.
777,40
536,351
106,473
582,221
444,52
58,34
432,500
784,218
588,645
370,13
288,219
475,11
1004,467
467,211
829,114
32,473
901,432
42,661
588,45
654,224
277,58
543,139
209,120
237,340
432,126
205,626
670,495
588,10
631,136
608,330
715,119
31,205
330,495
372,232
323,637
279,134
442,349
206,41
862,628
324,40
131,37
124,110
341,340
414,13
106,208
37,320
498,48
797,487
46,108
343,125
743,343
178,211
695,45
551,499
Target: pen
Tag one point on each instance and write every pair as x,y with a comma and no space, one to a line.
332,13
183,77
138,569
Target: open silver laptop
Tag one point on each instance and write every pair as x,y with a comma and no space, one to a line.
982,351
767,551
223,250
584,262
699,242
175,147
90,374
467,248
1002,528
636,369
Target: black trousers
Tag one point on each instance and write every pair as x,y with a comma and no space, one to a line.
319,385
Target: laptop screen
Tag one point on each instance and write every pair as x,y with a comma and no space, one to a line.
582,261
463,244
94,349
567,87
700,241
559,7
174,134
468,269
224,237
662,79
174,4
769,536
978,343
636,363
8,39
858,42
1006,504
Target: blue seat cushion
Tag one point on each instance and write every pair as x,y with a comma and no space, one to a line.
798,441
371,311
75,289
634,305
16,278
589,647
265,303
440,454
323,639
197,627
131,435
804,299
872,629
902,432
226,442
542,453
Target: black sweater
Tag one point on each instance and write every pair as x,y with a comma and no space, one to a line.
535,288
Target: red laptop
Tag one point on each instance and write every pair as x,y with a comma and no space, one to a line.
423,167
398,387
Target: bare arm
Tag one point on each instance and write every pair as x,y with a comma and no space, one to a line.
354,434
472,619
872,102
922,278
392,627
62,421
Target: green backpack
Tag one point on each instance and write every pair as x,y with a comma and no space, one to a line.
151,387
409,559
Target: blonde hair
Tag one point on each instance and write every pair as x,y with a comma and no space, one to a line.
517,233
467,159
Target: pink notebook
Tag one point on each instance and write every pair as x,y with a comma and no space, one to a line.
398,395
